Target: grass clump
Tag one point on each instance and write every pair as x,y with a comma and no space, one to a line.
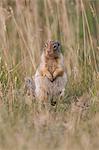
24,27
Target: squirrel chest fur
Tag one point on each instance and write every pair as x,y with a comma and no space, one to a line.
51,65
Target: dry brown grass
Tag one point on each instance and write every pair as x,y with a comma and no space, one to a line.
73,123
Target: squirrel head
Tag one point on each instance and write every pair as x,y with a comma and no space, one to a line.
52,49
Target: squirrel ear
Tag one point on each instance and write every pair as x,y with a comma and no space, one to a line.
46,44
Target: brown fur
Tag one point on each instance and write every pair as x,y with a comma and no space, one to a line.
51,63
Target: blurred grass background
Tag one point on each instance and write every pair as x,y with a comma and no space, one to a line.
25,25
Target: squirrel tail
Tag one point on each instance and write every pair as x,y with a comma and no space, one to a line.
30,86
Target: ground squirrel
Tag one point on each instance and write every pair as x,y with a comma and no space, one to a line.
50,78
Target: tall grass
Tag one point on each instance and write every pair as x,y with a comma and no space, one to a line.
25,25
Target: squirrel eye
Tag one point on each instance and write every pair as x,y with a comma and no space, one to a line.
58,43
55,46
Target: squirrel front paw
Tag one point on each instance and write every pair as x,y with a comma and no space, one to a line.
54,75
49,76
